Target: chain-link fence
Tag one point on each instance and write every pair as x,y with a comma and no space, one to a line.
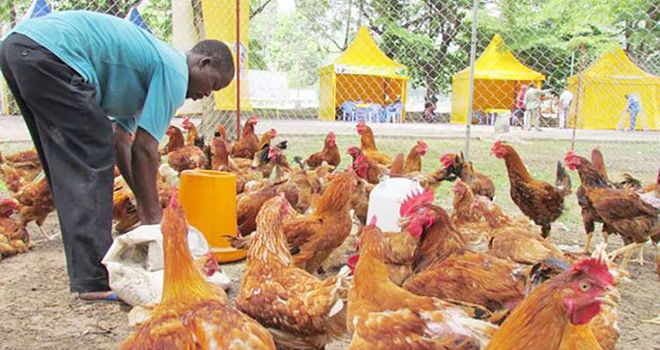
311,66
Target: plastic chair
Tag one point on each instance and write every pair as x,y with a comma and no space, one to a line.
374,112
348,109
393,112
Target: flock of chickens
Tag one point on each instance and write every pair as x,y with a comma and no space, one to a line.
475,278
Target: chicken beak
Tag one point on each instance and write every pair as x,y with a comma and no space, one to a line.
404,221
611,298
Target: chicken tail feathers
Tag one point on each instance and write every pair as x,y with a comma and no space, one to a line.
563,180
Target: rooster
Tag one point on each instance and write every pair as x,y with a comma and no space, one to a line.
329,154
300,310
192,314
314,236
382,315
368,145
538,200
556,315
443,266
248,144
14,238
590,176
414,158
456,167
623,210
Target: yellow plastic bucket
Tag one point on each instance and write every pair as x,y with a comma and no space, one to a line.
209,200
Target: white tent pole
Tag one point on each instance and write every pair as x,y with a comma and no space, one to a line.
473,50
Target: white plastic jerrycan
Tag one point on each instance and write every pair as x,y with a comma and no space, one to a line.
385,200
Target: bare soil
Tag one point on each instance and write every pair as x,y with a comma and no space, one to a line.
38,311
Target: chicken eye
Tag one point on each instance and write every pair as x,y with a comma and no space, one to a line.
584,286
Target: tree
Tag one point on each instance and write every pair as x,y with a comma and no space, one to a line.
421,34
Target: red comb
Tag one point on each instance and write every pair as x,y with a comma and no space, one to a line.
352,262
373,221
594,267
415,199
569,155
447,160
273,131
422,143
186,119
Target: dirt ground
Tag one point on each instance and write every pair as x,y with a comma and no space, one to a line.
38,312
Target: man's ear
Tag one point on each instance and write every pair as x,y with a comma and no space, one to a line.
204,61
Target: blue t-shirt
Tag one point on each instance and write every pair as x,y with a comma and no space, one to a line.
140,80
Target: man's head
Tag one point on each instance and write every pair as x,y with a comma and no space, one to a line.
210,68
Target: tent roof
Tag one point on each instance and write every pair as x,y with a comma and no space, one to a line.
615,65
365,58
497,63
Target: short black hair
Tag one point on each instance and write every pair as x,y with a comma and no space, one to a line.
220,54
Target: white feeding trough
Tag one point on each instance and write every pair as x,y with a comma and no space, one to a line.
385,200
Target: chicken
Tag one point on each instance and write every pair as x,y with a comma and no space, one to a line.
191,129
12,177
220,161
360,200
36,203
455,166
365,167
192,314
598,161
623,210
175,140
414,158
368,145
382,315
124,204
329,154
187,157
14,238
267,137
556,315
397,166
308,183
19,168
590,176
445,269
513,240
469,221
538,200
301,311
249,204
248,144
314,236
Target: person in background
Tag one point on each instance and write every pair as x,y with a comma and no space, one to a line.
69,71
633,107
533,106
519,110
565,100
429,111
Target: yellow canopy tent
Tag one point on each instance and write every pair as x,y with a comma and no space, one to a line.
602,103
496,74
362,72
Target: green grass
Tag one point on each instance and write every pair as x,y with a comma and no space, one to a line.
641,159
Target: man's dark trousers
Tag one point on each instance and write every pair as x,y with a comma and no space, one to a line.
73,137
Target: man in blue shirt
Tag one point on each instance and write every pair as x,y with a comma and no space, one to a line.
632,107
69,71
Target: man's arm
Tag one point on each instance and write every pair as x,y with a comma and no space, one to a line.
123,143
144,165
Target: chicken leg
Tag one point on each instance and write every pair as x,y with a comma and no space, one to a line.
626,251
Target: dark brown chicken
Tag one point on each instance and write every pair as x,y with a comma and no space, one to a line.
538,200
